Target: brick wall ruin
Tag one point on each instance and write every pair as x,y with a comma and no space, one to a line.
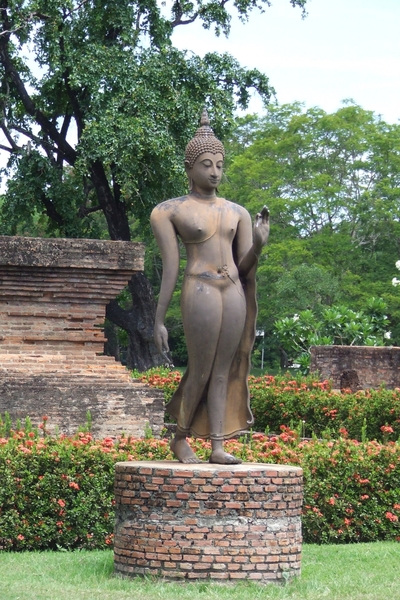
53,294
364,366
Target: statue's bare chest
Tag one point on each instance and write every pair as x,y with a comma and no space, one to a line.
197,222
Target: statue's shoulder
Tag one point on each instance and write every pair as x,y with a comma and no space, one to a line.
238,208
168,205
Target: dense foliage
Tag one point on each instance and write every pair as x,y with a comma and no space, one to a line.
96,109
309,406
57,492
97,106
331,182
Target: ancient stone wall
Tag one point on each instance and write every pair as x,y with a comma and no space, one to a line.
53,294
371,366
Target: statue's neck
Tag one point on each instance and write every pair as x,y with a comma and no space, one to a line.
212,196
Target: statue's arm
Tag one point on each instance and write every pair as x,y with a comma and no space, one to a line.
251,240
167,241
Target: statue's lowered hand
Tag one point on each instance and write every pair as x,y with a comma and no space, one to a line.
161,338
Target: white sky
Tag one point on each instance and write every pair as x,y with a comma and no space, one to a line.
342,49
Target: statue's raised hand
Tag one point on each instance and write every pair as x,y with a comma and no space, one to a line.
261,228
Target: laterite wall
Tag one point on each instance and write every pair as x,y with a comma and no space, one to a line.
372,365
53,297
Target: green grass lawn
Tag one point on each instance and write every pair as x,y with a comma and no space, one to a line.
348,572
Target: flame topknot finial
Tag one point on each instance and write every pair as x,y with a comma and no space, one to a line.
204,140
204,120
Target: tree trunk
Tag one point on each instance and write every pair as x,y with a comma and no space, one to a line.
111,346
113,209
138,321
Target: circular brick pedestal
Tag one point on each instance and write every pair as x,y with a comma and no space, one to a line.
208,521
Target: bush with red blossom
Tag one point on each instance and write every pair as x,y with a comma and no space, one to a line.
57,492
309,405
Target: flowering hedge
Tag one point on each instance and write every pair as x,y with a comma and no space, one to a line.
57,492
311,406
162,378
315,408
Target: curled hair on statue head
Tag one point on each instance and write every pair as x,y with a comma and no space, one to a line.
204,140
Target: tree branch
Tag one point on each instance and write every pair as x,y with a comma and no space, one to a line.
10,150
114,210
84,211
71,95
115,184
30,107
10,140
64,131
68,14
39,141
28,18
32,16
51,211
179,12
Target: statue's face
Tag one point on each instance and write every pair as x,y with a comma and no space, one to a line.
206,172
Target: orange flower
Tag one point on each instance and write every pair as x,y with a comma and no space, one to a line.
386,429
393,518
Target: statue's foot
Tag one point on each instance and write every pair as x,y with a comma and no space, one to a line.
223,458
183,452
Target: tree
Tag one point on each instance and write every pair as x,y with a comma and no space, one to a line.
332,183
96,109
307,287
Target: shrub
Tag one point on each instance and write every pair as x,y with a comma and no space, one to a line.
57,492
315,408
333,325
162,378
352,491
309,405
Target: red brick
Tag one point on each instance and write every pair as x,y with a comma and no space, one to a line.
228,488
201,566
218,567
157,480
218,575
169,488
194,558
